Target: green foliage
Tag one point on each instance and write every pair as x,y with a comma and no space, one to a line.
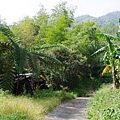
7,72
105,104
41,22
111,52
44,93
59,24
56,33
14,116
7,77
4,29
25,31
107,28
63,95
62,10
18,58
28,47
85,42
79,91
85,37
73,64
4,93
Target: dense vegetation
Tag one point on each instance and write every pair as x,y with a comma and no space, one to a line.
54,46
54,52
105,105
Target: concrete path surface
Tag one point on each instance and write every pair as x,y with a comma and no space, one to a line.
74,109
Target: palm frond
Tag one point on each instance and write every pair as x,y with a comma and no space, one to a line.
99,51
50,62
7,73
7,77
44,47
6,31
106,36
111,47
33,64
20,56
48,58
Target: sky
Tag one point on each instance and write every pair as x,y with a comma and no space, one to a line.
15,10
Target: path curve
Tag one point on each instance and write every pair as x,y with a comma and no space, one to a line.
74,109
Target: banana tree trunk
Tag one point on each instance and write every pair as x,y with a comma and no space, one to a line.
113,77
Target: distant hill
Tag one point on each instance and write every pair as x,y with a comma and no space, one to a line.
102,20
84,18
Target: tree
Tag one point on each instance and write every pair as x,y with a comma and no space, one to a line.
84,41
25,31
41,25
107,28
59,22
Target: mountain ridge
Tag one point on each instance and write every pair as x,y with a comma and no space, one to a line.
102,20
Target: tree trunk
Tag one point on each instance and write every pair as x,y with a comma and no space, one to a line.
113,77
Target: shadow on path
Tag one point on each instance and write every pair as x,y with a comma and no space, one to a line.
72,110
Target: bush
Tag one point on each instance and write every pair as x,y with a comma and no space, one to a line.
4,93
79,92
62,95
105,105
44,93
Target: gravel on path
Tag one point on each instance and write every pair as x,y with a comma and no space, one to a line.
74,109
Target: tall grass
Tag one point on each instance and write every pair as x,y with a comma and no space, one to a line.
105,105
30,108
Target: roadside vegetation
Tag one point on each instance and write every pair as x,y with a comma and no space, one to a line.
105,105
31,108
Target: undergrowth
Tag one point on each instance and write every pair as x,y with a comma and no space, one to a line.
30,108
105,105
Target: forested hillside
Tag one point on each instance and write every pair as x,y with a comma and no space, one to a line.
111,17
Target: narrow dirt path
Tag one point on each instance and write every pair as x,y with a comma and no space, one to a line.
72,110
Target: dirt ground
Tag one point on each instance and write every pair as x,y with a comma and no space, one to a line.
72,110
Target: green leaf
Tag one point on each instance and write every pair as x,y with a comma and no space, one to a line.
99,50
106,36
6,31
111,47
20,56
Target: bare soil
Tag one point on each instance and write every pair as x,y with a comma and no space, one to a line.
74,109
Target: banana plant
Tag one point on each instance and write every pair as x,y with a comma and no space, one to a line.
111,55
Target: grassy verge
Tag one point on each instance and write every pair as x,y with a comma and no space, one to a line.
30,108
105,105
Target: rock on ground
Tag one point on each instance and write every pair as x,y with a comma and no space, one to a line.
74,109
